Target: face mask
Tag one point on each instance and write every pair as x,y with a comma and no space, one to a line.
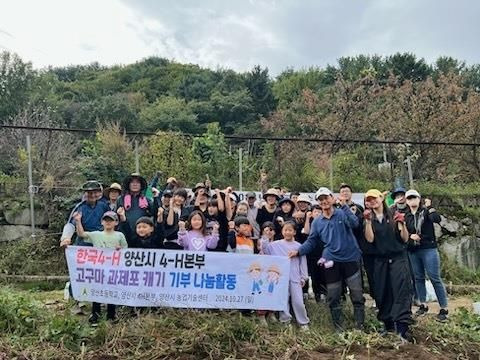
401,206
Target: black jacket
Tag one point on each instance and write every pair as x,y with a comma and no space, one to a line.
422,224
154,241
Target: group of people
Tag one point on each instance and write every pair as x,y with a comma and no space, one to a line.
331,241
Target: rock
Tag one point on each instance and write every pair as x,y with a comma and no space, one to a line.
16,232
451,227
438,231
465,251
22,217
467,221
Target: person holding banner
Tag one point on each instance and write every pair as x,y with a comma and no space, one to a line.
108,238
341,255
298,273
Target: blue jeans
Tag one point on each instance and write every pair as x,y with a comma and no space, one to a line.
428,261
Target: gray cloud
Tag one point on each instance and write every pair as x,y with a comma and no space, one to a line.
281,34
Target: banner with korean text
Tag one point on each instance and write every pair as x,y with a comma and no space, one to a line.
141,277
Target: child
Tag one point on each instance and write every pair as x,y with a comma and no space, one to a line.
108,238
298,273
193,236
284,213
146,235
240,236
268,235
242,209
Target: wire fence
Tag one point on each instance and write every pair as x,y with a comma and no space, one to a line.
61,159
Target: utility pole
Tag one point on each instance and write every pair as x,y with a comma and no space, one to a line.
31,188
240,169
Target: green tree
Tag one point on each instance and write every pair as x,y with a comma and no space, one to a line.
16,84
168,152
260,86
211,156
169,114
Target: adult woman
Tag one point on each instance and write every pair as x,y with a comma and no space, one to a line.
423,251
392,284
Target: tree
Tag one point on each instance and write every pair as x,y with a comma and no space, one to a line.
260,86
428,111
212,157
233,110
168,152
169,114
109,157
16,80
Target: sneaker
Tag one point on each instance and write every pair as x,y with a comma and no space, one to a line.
442,315
422,310
93,319
305,296
304,327
272,318
403,333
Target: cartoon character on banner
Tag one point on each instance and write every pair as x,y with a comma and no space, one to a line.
273,276
255,272
271,280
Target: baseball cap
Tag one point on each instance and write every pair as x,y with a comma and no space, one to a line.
251,194
412,193
111,215
373,193
323,191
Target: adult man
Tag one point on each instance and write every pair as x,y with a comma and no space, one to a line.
341,255
92,209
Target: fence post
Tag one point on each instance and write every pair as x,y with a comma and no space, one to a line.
409,168
30,185
137,159
240,169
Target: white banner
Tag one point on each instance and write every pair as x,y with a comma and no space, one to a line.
141,277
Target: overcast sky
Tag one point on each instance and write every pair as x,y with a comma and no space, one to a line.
237,34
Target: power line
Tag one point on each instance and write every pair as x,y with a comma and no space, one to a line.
252,137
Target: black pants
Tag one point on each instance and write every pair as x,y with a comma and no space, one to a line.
369,266
393,290
317,273
96,310
350,272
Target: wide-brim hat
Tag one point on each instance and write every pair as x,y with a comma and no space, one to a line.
304,198
199,186
129,178
271,192
92,185
113,186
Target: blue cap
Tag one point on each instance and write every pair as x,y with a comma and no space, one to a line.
397,191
